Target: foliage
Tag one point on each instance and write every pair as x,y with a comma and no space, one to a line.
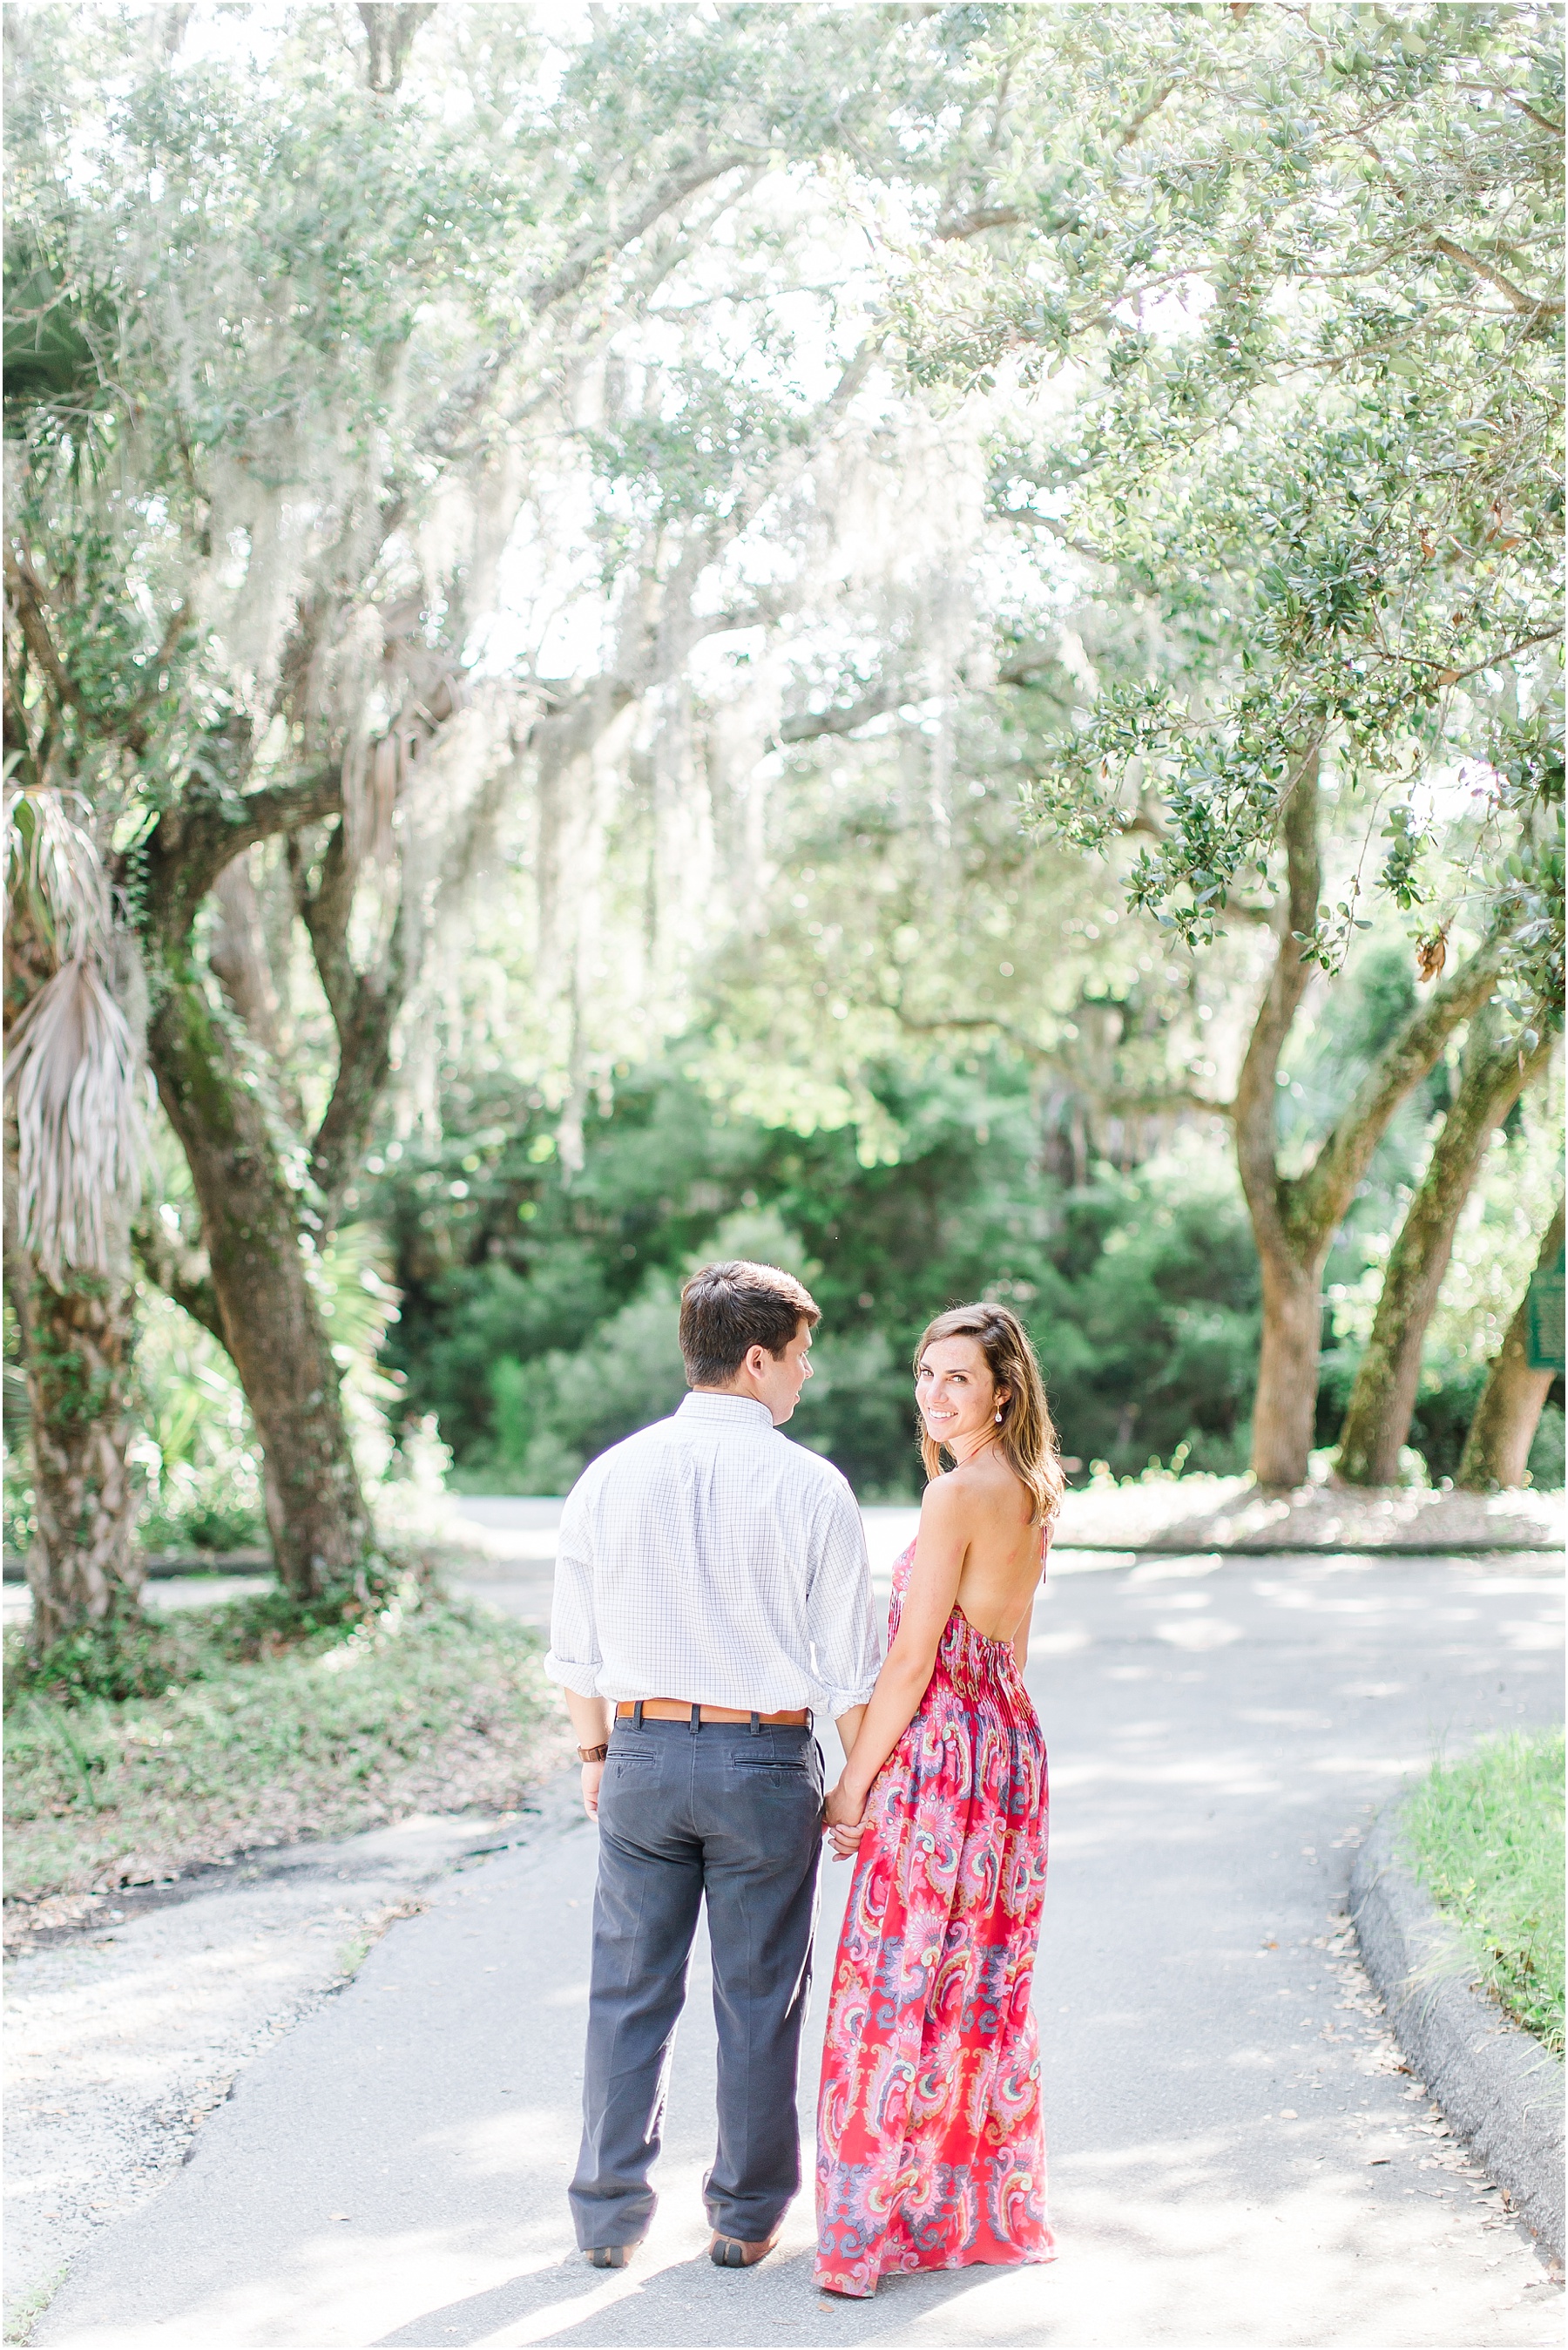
538,1317
195,1446
150,1655
410,1705
663,482
1312,436
1487,1836
1494,1253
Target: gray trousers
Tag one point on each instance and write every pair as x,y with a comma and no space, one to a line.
732,1813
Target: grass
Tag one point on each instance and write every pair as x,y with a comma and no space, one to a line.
24,2313
1486,1835
258,1726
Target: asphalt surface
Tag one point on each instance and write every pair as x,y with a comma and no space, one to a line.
1237,2156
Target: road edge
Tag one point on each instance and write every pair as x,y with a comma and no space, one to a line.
414,1868
1500,2090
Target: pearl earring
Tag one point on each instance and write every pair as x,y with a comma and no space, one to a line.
998,1415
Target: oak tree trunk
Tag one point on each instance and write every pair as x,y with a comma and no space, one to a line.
1383,1400
1496,1450
1286,1396
271,1325
1285,1405
1295,1217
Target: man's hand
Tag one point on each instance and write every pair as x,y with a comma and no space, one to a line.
591,1723
843,1817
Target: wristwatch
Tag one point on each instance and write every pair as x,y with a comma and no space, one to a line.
592,1753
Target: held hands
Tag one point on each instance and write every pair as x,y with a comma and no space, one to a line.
844,1818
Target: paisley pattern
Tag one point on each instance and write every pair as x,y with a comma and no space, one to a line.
930,2145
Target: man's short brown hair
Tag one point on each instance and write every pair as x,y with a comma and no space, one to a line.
727,1309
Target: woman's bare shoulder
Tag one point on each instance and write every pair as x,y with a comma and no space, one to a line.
974,1489
945,1499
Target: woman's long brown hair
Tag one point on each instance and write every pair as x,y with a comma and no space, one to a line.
1027,1435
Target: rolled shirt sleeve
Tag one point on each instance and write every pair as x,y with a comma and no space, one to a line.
575,1658
841,1612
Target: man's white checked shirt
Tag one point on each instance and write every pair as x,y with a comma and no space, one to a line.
707,1557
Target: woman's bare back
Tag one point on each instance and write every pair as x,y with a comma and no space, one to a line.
1003,1554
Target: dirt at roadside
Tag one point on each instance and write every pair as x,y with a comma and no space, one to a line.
121,2040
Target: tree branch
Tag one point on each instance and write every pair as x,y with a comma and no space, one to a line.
1530,304
190,846
364,1063
1256,1153
673,189
25,596
30,598
1135,122
1159,1097
1542,121
1511,652
843,717
324,911
1317,1200
157,1257
463,401
975,223
1148,1099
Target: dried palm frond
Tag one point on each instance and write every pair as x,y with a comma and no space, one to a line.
52,854
76,1076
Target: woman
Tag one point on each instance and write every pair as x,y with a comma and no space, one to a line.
931,2153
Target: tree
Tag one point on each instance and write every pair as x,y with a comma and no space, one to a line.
1497,1449
290,358
171,398
1314,438
1493,1075
76,1076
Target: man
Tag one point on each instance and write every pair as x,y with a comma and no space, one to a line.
711,1594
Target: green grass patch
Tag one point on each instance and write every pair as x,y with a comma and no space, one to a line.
24,2313
258,1723
1486,1837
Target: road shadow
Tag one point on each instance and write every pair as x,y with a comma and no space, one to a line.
673,2305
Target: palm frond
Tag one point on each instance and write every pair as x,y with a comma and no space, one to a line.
51,854
76,1076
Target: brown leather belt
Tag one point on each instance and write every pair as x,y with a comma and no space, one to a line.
675,1709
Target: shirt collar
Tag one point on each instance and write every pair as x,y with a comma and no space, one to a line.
727,1411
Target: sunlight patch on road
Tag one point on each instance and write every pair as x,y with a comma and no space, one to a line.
1065,1643
1171,1570
1200,1632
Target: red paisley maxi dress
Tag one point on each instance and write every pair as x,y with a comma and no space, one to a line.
930,2143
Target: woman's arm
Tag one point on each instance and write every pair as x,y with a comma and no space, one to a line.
848,1727
1020,1637
905,1677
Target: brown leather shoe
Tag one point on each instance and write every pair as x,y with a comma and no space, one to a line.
731,2253
608,2256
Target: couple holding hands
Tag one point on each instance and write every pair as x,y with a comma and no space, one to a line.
712,1596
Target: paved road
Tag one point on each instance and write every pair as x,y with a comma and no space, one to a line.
1237,2158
